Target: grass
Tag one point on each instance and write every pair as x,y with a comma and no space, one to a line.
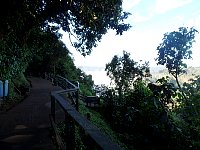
9,103
100,123
97,119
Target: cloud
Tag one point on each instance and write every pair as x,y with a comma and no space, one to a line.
138,18
129,4
163,6
194,21
179,18
141,41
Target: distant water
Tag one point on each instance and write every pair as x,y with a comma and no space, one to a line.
99,74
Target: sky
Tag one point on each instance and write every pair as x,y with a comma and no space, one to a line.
150,20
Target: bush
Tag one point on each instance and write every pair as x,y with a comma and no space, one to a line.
18,90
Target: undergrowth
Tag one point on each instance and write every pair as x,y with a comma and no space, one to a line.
98,120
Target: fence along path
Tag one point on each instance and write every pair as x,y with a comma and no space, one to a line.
94,138
26,126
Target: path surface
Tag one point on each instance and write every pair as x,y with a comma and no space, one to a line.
26,126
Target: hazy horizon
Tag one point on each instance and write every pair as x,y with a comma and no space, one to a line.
99,74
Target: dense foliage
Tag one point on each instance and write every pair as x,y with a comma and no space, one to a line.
85,20
29,35
54,58
124,71
23,21
176,48
155,111
142,113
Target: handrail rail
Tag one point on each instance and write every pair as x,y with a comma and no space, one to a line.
95,138
68,87
100,140
67,81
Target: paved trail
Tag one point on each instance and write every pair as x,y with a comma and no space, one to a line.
26,126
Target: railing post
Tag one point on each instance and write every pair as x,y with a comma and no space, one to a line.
53,107
77,100
69,132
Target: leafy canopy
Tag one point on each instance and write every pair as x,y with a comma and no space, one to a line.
124,71
176,47
23,21
86,20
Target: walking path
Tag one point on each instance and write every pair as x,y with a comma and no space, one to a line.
26,126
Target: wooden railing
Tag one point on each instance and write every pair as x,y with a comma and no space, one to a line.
94,138
70,90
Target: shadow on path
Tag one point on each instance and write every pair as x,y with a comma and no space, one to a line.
26,126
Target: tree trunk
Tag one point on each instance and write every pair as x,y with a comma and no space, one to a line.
179,86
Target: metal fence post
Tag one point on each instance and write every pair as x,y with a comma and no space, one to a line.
69,132
53,107
77,100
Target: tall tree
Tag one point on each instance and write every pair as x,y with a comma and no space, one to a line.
175,48
124,71
47,46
